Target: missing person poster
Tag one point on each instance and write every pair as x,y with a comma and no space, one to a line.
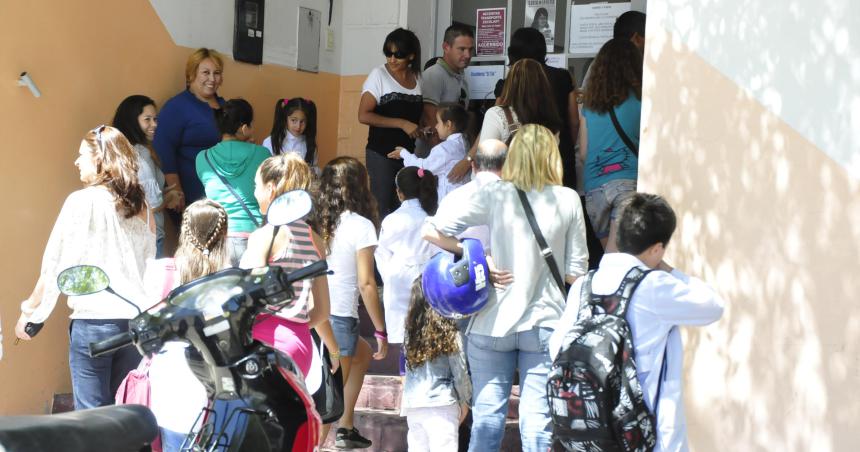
591,25
490,31
540,15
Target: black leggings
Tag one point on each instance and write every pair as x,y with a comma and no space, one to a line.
382,171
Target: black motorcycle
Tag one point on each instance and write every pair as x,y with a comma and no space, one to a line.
258,401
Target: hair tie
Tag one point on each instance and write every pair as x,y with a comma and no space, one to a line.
285,101
420,173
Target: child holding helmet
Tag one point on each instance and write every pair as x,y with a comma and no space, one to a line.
437,390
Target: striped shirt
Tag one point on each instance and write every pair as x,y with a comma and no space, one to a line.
299,253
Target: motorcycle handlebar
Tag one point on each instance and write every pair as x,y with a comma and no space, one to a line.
315,269
110,344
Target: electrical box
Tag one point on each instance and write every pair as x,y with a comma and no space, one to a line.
248,31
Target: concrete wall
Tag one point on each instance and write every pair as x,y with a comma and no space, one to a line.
86,56
750,129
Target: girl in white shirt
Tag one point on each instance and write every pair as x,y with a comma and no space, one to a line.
346,217
294,129
452,121
402,251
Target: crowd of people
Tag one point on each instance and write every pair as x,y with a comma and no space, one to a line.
429,179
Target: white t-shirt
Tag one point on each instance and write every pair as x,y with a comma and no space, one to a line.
441,161
353,233
496,124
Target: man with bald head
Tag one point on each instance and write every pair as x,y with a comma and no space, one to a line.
486,168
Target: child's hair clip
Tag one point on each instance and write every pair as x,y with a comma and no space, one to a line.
420,173
285,101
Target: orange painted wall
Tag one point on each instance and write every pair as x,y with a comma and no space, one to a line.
774,224
86,56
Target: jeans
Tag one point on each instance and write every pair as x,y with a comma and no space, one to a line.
95,380
493,361
382,171
236,247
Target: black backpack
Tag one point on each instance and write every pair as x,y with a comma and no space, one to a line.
594,396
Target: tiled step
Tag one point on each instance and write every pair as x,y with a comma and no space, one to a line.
388,431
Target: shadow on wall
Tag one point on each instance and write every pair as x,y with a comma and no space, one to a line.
774,224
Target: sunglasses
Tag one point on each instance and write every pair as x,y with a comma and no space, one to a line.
400,55
98,131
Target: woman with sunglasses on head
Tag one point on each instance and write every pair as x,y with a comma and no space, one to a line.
391,104
107,224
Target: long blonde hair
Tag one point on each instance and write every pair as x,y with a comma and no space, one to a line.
286,172
202,240
533,159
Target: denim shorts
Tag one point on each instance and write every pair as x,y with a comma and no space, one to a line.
603,204
346,333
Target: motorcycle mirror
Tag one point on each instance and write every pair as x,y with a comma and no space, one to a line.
82,280
289,207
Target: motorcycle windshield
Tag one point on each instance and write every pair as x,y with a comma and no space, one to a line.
209,294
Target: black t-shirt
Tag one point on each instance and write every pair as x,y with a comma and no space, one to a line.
393,101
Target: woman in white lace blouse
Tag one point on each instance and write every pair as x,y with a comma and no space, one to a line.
107,224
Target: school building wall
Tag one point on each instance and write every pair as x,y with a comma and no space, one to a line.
86,56
751,129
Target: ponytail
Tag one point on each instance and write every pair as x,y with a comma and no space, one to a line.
419,183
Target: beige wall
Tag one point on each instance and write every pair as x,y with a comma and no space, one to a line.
86,56
774,223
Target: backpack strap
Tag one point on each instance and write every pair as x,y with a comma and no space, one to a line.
513,127
585,307
617,303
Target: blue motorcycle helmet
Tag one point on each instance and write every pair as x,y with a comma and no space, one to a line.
458,288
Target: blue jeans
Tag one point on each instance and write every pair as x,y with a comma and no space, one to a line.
95,380
492,361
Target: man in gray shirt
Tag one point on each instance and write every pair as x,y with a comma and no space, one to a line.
445,81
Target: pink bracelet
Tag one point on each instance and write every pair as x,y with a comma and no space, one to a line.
380,334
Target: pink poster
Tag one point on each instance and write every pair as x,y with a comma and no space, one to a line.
490,33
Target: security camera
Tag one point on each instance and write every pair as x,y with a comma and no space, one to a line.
25,80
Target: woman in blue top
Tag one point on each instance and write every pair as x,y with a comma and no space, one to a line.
186,125
611,167
227,172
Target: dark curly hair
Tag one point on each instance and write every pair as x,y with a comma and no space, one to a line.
344,185
428,335
616,71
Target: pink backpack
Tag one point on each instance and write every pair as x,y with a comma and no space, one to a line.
135,388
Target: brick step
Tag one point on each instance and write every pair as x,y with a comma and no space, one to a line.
383,392
387,429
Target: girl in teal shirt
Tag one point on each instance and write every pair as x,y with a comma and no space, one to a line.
227,173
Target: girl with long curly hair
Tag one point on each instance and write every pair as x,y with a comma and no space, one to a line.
437,389
108,224
346,217
611,165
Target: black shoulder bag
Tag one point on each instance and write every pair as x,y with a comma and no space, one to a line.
545,250
230,187
633,148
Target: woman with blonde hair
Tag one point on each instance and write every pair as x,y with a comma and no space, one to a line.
108,224
512,331
186,125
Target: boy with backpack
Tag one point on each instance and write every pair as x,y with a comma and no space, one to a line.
635,297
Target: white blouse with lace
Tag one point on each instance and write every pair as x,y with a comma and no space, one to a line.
89,230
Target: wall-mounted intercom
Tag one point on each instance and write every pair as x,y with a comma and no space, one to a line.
248,31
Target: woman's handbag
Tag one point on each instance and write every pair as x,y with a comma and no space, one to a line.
329,397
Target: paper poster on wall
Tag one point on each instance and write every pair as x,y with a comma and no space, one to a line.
490,31
558,60
591,25
540,15
482,80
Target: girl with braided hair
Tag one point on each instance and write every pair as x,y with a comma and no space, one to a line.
176,395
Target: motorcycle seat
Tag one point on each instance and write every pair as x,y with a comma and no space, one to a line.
117,428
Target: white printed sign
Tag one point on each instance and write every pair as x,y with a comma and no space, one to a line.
591,25
482,80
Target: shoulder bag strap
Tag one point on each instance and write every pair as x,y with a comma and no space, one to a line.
230,187
545,250
633,148
509,117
